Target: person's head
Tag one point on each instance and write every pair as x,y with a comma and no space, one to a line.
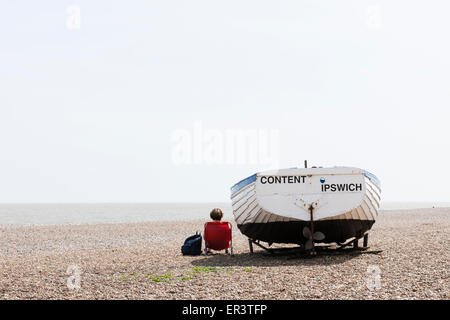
216,214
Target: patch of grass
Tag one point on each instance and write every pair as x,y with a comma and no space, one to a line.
130,276
162,278
170,276
206,269
230,270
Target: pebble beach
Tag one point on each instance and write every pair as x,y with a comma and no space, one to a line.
408,258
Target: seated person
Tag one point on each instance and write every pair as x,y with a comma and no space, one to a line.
216,214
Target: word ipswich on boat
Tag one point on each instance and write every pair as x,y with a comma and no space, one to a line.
342,187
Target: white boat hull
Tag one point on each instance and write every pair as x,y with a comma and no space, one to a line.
274,206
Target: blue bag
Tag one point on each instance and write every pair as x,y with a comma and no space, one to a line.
192,246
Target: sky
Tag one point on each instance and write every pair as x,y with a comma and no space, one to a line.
175,101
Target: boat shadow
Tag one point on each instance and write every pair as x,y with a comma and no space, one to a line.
264,259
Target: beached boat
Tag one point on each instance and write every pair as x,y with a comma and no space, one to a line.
304,205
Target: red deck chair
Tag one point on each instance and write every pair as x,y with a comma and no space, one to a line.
217,235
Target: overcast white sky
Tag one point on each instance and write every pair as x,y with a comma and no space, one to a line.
92,106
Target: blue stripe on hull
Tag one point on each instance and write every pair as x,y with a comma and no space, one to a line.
372,178
242,184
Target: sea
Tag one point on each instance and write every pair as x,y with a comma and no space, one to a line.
91,213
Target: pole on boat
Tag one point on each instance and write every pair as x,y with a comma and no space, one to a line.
311,212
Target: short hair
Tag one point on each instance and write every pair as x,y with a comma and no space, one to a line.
216,214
